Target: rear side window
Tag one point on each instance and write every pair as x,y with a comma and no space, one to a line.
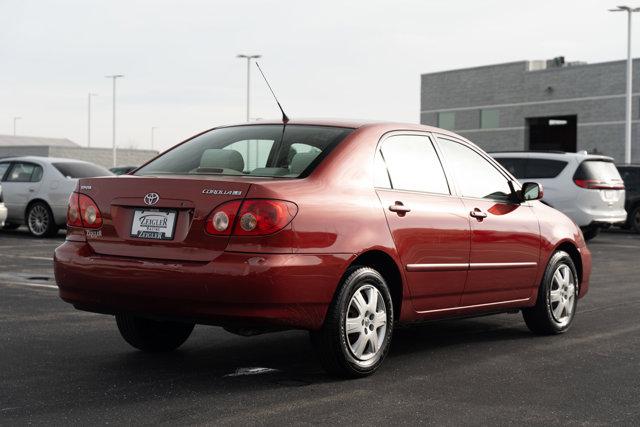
413,164
527,168
80,170
597,170
25,172
258,150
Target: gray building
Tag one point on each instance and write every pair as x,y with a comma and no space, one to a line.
58,147
535,105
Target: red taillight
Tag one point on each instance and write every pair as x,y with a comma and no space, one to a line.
83,212
73,212
594,184
220,221
253,217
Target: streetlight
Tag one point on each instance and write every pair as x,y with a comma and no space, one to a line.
153,128
89,117
15,119
627,133
249,58
113,130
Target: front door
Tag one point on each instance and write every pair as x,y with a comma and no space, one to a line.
430,227
505,236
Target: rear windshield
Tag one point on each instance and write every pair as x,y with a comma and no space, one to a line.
524,168
257,150
599,170
80,170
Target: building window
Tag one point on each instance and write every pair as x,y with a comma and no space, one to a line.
488,119
447,120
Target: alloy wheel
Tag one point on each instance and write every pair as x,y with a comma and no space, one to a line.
562,294
366,323
38,220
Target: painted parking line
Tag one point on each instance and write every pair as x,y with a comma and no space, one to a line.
30,285
44,258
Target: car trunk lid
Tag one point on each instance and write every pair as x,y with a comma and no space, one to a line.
159,217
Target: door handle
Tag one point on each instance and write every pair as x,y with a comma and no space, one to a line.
477,213
399,208
31,190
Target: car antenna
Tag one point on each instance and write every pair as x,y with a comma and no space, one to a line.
285,119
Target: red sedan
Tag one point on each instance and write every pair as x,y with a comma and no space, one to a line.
344,229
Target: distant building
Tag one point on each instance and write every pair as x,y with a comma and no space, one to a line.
58,147
535,105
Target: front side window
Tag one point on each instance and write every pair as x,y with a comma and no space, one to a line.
475,176
3,169
25,172
413,164
256,150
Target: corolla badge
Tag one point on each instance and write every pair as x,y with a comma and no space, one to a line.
151,199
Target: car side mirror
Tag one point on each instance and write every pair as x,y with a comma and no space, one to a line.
531,191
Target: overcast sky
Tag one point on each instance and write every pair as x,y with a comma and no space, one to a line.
360,59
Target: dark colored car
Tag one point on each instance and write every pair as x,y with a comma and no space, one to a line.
344,229
122,170
631,176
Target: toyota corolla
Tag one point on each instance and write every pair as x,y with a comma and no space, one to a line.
344,229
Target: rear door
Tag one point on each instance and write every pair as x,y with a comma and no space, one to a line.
429,225
505,235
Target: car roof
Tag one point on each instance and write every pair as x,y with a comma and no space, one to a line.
556,155
350,123
41,159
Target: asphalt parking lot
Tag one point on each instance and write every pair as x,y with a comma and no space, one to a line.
59,365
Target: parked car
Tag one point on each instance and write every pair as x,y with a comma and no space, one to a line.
585,187
3,210
344,229
36,190
122,170
631,176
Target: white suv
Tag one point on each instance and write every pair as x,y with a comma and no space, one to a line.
585,187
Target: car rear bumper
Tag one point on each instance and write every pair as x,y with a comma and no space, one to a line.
284,290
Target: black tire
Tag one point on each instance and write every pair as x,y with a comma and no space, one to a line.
152,335
332,342
10,226
40,221
541,318
634,219
590,232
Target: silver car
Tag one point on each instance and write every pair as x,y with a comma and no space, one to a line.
36,190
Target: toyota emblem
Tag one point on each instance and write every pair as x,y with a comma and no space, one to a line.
151,199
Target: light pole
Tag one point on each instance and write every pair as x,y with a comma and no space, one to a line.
627,133
89,117
15,119
114,77
153,128
249,58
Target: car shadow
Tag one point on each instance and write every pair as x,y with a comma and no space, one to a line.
287,359
23,233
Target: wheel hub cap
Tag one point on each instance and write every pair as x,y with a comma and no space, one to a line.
562,294
366,323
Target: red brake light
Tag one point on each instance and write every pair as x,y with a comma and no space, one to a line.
252,217
73,212
220,221
263,216
83,212
594,184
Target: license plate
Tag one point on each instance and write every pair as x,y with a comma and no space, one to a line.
610,195
153,224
